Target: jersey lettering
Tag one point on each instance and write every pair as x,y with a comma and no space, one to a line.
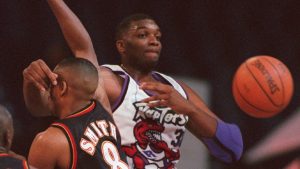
102,124
111,156
94,132
179,137
113,130
162,115
87,146
91,136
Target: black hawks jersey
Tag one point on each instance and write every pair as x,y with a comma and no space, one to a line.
93,138
9,162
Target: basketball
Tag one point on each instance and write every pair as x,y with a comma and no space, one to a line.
262,86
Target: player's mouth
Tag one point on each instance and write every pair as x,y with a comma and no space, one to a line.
152,53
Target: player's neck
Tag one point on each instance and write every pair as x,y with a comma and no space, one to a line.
137,75
73,107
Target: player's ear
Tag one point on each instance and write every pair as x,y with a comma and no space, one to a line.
63,88
120,46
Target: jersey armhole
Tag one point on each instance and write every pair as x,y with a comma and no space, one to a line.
73,151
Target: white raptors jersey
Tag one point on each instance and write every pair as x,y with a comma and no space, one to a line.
151,137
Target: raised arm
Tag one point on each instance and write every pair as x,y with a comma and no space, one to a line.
73,30
79,41
36,80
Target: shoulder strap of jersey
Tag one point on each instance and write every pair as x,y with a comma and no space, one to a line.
114,68
65,129
173,82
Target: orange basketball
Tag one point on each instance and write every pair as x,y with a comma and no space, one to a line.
262,86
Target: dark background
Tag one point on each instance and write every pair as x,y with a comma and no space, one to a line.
203,39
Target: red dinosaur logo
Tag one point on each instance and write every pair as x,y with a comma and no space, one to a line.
150,149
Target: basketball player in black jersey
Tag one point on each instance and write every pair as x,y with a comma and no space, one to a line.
8,159
85,135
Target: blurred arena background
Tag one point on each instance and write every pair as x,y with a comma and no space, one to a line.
203,40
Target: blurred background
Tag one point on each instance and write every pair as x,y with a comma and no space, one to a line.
204,40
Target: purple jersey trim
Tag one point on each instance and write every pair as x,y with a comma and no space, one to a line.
160,78
120,99
122,95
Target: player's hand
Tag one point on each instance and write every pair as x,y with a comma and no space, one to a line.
166,95
40,75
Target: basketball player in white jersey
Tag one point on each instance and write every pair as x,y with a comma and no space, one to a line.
150,109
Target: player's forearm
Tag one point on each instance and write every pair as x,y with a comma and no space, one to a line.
34,100
73,30
201,124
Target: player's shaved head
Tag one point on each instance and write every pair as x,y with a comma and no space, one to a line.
80,74
6,127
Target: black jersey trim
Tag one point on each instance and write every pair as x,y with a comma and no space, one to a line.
71,140
85,110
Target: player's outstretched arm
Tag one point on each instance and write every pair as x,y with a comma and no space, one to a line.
222,139
226,141
73,30
36,79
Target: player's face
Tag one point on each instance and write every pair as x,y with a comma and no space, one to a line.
142,44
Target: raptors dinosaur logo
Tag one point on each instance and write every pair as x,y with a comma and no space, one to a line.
150,150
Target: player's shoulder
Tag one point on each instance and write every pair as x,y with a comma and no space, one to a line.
47,148
108,75
106,72
50,136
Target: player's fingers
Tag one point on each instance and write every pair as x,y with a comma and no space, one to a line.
37,71
157,100
156,97
39,81
40,84
52,76
40,87
150,99
158,103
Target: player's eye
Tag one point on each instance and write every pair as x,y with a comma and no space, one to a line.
141,35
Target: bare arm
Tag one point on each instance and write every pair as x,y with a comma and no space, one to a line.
74,32
224,140
47,149
202,121
79,41
36,79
